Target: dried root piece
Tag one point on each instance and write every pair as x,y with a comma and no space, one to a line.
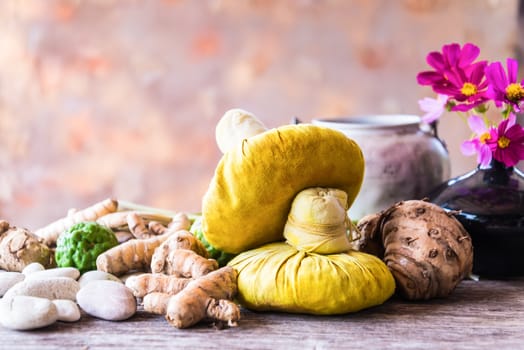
148,283
156,302
180,222
426,248
20,247
137,226
156,227
202,298
134,254
50,233
181,263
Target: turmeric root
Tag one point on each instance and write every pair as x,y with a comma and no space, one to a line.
156,302
180,222
180,239
134,254
148,283
181,263
19,248
137,226
119,220
426,248
156,227
50,233
206,297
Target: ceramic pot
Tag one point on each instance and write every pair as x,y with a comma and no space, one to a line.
402,161
491,208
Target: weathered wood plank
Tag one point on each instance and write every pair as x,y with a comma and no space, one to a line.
479,315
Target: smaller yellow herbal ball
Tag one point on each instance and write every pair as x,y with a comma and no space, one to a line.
318,221
278,277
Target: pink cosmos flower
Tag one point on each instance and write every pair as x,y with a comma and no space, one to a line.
433,107
505,88
452,56
467,86
479,143
507,141
457,76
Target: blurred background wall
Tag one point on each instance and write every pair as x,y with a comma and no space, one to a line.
115,98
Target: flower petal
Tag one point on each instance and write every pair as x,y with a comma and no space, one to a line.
469,53
497,76
470,147
429,78
484,156
477,124
436,60
513,68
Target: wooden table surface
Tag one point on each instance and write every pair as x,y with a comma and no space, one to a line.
478,315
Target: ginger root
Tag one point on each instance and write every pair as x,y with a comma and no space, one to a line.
182,263
50,233
426,248
134,254
20,247
148,283
206,297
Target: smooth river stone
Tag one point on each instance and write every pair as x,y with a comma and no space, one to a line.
9,279
49,288
71,272
68,310
33,267
108,300
25,312
96,275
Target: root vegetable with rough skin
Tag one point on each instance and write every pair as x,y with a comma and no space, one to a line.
137,226
50,233
202,298
148,283
182,263
135,254
19,247
426,248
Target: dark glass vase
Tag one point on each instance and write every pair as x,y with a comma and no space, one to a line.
491,205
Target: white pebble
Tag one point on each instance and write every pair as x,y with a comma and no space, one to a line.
68,310
49,288
33,267
9,279
108,300
25,312
71,272
96,275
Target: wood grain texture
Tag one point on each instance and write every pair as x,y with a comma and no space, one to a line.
478,315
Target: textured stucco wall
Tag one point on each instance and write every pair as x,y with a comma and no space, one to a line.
120,98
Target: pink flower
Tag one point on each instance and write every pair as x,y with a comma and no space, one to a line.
452,56
457,76
505,88
507,142
478,144
433,107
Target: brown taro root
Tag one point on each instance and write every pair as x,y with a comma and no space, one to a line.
426,248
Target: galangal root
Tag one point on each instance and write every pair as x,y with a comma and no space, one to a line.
426,248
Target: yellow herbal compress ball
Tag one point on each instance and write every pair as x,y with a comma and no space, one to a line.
278,277
249,198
